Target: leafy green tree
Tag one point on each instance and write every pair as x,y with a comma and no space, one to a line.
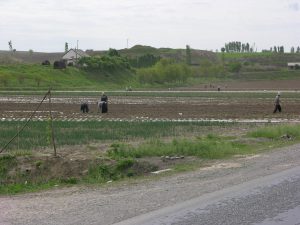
165,71
292,50
247,47
113,52
105,63
188,55
281,49
237,46
66,47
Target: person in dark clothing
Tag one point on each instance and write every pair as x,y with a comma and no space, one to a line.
277,103
84,107
103,103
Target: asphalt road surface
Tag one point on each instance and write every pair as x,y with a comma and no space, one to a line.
273,199
261,189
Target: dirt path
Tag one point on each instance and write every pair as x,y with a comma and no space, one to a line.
116,202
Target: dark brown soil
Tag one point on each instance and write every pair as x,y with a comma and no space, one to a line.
152,108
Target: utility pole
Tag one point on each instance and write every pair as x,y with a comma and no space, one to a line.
76,51
127,42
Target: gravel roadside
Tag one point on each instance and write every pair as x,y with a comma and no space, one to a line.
116,202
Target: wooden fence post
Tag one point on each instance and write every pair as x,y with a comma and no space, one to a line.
51,123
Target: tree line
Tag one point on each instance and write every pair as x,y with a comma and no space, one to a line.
237,46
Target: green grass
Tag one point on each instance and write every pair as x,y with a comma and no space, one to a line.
38,77
123,160
10,189
276,132
22,77
201,94
283,74
72,133
210,147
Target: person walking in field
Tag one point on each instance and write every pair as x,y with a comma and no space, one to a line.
103,104
277,103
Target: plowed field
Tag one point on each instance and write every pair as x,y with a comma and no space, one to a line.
146,108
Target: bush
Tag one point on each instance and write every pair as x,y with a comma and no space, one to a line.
59,64
105,63
165,71
46,63
234,67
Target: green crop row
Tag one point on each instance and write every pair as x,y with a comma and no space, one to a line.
37,133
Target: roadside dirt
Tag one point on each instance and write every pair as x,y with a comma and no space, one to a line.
115,202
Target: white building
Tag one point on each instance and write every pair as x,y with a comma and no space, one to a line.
294,65
73,55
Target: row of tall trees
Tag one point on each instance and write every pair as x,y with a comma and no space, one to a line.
295,50
237,46
277,49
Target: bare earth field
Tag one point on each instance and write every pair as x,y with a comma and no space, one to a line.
136,108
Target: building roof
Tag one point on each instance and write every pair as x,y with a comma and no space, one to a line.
79,52
293,63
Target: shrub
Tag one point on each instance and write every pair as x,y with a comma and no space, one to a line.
165,71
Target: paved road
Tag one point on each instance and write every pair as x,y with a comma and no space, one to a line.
244,190
270,200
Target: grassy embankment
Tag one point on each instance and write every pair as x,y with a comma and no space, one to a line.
122,159
38,77
254,66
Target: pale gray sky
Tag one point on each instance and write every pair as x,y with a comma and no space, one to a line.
45,25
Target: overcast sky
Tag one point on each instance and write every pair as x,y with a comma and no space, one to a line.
45,25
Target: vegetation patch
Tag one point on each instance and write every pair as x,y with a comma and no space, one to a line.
209,147
37,171
277,132
74,133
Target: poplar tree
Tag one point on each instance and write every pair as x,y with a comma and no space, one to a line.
188,55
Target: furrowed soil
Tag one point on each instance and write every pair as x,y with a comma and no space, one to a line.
135,107
131,107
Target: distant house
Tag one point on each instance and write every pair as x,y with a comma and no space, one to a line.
73,55
294,65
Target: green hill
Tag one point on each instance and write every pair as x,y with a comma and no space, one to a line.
177,54
38,77
23,70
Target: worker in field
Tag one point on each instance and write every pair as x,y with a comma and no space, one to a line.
277,103
103,104
84,107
